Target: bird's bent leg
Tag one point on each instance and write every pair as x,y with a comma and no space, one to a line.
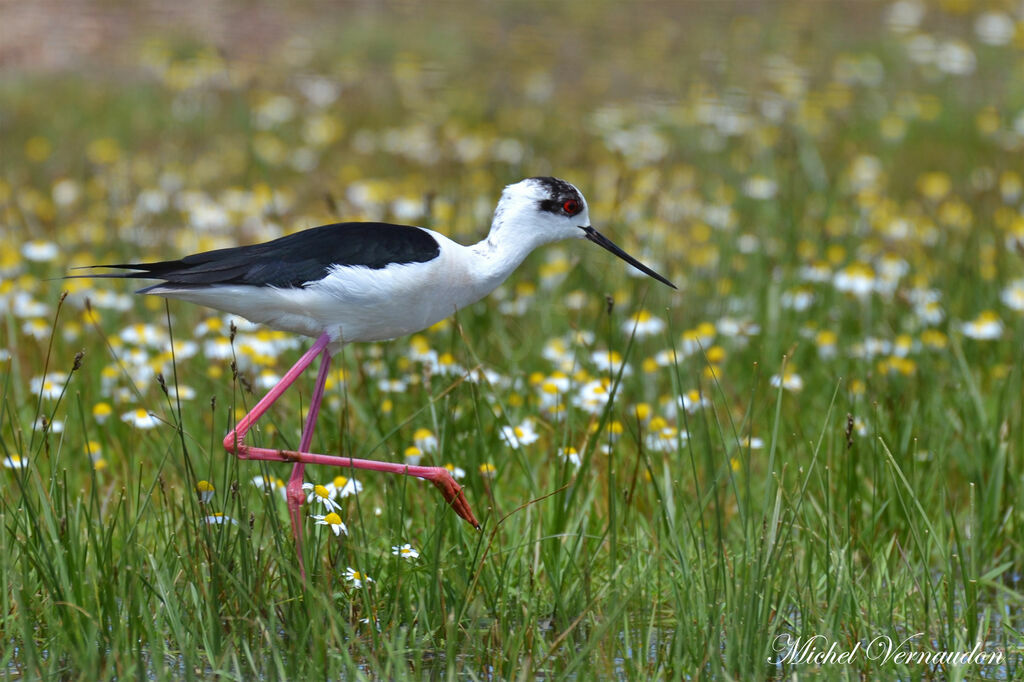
233,441
293,492
439,476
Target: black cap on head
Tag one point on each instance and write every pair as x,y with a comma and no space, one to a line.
558,193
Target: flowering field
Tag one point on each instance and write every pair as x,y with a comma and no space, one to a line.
818,435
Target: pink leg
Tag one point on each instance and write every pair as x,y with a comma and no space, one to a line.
294,492
233,441
439,476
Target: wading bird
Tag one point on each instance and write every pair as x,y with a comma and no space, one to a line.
350,282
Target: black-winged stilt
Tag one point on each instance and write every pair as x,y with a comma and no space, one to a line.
367,282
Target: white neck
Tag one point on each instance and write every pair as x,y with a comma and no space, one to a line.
504,250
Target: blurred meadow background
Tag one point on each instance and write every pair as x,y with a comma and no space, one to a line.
820,433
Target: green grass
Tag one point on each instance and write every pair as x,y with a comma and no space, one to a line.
884,502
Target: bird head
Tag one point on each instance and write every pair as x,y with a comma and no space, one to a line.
544,210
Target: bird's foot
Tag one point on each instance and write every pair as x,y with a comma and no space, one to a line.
453,495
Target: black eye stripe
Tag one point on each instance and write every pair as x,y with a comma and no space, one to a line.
557,205
550,205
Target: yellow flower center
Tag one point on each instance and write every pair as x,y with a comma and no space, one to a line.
988,317
706,329
716,354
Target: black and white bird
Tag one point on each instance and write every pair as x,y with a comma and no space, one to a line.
350,282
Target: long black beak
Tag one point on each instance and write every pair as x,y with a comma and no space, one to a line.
605,243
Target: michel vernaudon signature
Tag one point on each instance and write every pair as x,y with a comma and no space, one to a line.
819,650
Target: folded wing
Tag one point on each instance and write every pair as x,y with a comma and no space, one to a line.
294,260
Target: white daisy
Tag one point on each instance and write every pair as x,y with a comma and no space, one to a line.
270,484
319,493
1013,295
40,251
791,381
356,578
610,361
332,521
15,462
592,397
692,401
425,440
457,472
405,551
518,436
570,455
342,487
205,491
985,327
643,324
140,419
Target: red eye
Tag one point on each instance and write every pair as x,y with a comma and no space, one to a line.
571,207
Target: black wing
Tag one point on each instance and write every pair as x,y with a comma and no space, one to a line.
295,259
